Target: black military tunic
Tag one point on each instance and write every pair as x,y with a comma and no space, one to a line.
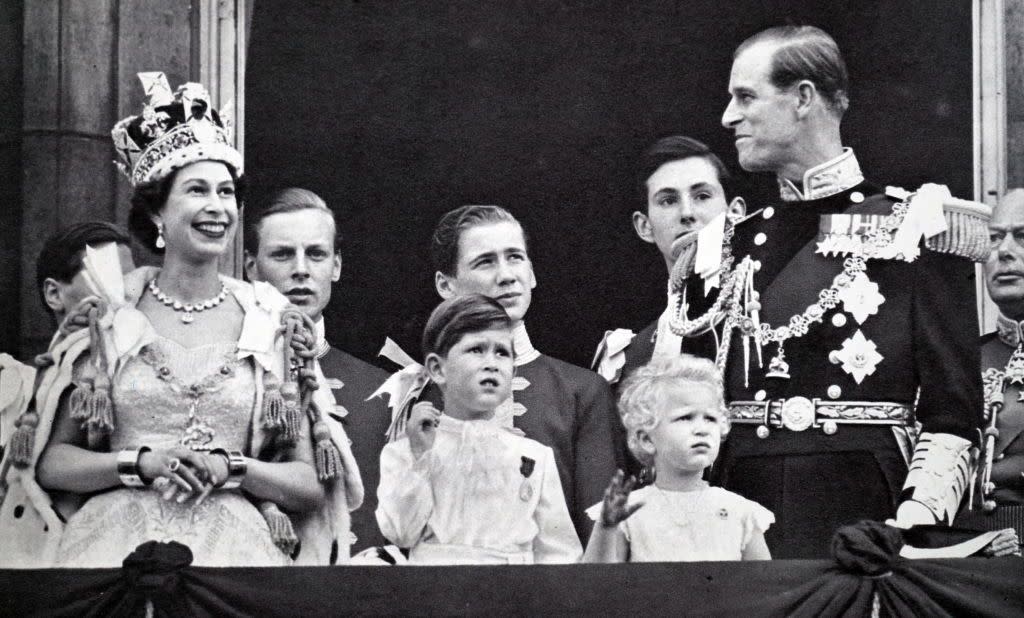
366,424
925,331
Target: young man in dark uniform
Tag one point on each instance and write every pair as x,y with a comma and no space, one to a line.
482,249
294,245
683,185
863,328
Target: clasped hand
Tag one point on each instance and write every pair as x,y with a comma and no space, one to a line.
181,473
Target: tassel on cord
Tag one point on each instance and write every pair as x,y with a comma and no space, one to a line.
80,400
89,405
290,419
100,421
24,439
301,357
23,442
326,454
101,408
281,529
273,403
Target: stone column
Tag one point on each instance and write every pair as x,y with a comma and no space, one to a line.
80,61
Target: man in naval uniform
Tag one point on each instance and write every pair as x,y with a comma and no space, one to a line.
1002,363
683,188
483,249
294,245
857,318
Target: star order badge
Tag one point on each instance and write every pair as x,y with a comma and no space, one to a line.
859,356
1015,368
861,298
1014,372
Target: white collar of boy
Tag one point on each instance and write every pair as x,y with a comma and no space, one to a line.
525,352
829,178
320,330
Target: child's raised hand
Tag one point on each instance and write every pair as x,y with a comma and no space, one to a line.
616,507
422,427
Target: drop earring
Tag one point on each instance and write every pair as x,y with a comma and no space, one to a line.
160,244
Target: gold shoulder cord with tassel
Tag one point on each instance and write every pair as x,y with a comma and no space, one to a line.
89,401
283,407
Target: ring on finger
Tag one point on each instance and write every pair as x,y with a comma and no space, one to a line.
174,464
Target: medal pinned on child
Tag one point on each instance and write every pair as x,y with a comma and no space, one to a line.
526,469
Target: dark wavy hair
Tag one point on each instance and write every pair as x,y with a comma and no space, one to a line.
806,52
148,198
677,148
459,316
444,244
61,256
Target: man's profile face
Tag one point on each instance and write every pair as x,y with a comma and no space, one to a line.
296,255
493,261
682,197
1004,270
62,297
762,117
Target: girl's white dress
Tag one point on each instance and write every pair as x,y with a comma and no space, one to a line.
707,524
481,495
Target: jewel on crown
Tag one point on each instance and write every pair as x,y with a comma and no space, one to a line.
174,129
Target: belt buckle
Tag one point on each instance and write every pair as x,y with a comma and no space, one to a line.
797,413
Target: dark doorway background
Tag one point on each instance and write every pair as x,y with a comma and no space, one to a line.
396,112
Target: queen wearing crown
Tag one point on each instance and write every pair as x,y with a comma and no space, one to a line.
186,410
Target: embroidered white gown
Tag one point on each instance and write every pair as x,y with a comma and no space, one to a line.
152,399
708,524
481,495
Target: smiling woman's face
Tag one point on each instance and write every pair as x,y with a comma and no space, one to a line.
200,215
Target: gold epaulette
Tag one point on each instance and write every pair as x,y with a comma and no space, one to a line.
966,233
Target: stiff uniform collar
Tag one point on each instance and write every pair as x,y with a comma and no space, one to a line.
827,179
1011,332
322,347
525,352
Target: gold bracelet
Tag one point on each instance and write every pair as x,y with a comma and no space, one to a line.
128,467
237,467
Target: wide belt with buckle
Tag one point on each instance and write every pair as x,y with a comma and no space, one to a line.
800,413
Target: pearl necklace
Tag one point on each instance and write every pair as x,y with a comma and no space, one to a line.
189,308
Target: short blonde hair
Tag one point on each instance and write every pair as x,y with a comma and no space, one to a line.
642,402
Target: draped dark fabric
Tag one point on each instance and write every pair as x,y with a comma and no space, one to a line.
866,566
